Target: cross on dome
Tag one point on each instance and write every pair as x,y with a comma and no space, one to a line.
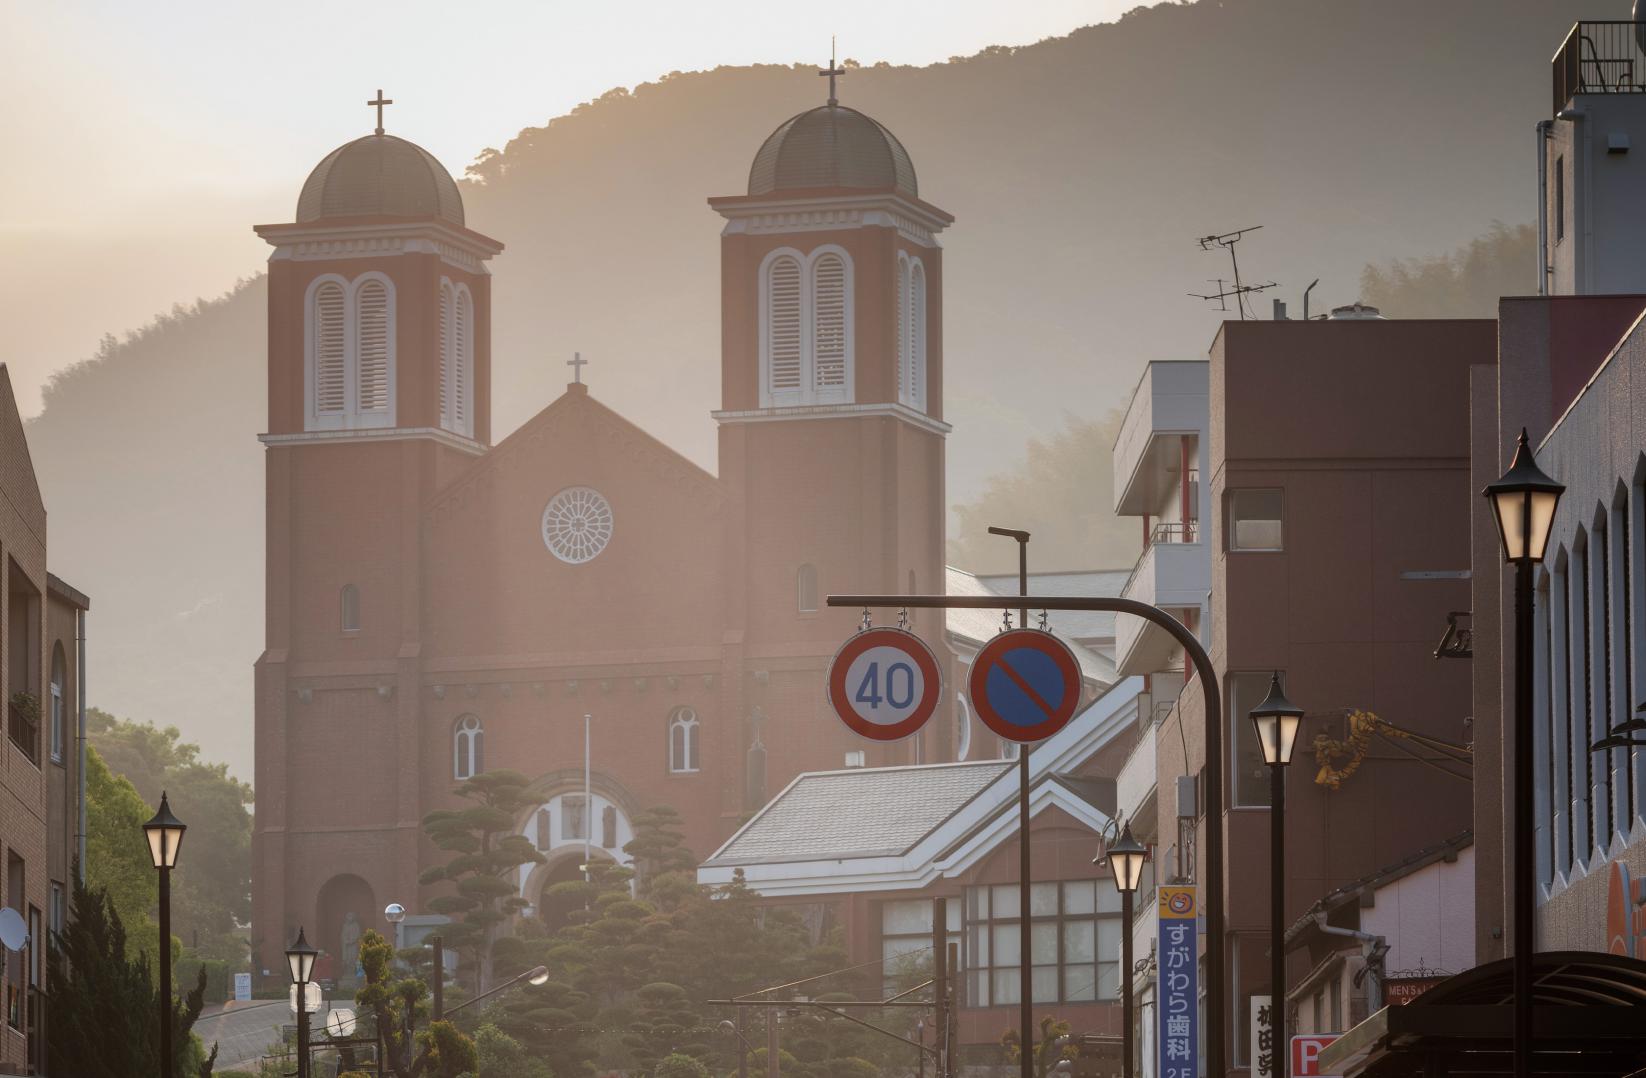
577,363
378,104
831,72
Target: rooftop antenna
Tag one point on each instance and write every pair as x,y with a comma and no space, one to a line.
1239,291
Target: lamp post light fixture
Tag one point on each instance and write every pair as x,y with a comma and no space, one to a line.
1277,720
165,834
1126,858
536,977
300,959
1523,503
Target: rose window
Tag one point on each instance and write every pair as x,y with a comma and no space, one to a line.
577,524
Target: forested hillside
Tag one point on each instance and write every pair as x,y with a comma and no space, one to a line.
1080,169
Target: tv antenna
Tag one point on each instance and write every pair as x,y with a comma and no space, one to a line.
1238,291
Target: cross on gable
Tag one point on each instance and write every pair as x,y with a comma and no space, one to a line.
378,104
831,72
577,363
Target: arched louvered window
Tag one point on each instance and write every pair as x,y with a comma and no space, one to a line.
608,827
806,589
915,318
328,351
830,323
683,728
806,328
545,829
372,339
349,601
783,367
349,361
902,316
456,358
468,744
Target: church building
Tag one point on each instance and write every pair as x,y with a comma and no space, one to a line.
577,594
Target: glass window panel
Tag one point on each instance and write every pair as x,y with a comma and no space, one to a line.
977,946
1006,945
1254,520
1005,901
1043,900
977,903
1108,939
1108,896
1251,774
1079,937
1077,897
1045,984
1043,942
1003,987
951,914
978,981
895,949
906,918
1079,982
1108,980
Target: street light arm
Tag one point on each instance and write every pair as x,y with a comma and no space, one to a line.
1216,1015
510,983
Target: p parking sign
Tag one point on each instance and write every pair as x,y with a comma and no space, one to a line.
884,684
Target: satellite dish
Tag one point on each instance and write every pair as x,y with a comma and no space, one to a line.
13,932
340,1022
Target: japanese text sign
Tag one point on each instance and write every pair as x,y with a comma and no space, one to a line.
1178,1004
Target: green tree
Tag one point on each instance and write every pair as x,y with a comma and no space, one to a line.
1062,491
103,1001
679,1065
485,853
1053,1045
1465,283
398,1006
501,1056
118,863
212,899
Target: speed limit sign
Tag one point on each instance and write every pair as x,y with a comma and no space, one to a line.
884,684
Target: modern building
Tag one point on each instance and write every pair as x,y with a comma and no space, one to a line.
1337,532
438,604
42,640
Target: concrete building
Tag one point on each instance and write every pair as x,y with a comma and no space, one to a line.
42,634
1338,539
438,605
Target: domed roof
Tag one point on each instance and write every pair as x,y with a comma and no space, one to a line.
380,176
832,146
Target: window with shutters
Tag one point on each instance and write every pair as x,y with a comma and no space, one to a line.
683,728
350,353
456,389
806,328
468,743
911,332
349,602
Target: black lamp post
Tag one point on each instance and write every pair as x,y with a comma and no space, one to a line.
1523,502
300,957
165,835
1277,720
1126,859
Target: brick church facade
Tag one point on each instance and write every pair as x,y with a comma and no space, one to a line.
438,604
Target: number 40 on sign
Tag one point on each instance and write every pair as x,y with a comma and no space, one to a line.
884,684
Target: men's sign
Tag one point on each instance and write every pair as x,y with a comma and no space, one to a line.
1178,1004
884,684
1025,685
1306,1054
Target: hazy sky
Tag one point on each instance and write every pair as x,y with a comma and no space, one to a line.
142,140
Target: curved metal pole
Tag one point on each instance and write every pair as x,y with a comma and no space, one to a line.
1217,1003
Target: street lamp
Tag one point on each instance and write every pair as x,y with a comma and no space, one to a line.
300,958
1523,502
165,835
536,977
1277,720
1126,859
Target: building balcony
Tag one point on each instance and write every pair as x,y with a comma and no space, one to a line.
1600,58
1175,572
1165,424
1135,785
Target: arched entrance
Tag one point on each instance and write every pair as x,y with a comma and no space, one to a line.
346,908
555,910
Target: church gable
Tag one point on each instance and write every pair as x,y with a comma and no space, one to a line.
577,511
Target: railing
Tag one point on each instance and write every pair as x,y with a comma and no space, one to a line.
1600,58
1176,531
24,734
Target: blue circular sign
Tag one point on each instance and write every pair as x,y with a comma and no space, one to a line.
1025,685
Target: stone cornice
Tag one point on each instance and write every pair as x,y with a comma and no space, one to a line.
379,237
384,434
888,409
763,215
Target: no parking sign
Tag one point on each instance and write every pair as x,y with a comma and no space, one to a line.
1025,684
884,684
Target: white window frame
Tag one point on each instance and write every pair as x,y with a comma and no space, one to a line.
1230,543
911,332
808,393
685,720
348,619
456,366
56,703
468,747
351,417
